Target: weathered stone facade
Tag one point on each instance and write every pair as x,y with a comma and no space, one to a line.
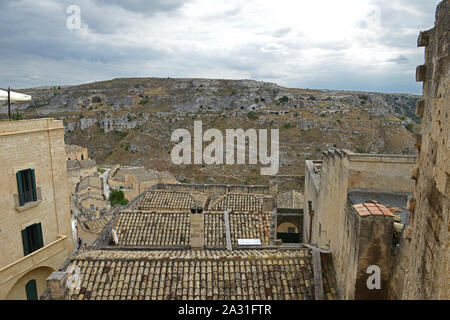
39,145
332,186
135,180
427,273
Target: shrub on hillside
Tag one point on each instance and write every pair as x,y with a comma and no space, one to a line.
252,115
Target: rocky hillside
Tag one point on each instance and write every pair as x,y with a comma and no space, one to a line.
130,121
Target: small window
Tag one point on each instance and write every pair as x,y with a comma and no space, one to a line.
291,230
26,185
310,206
92,207
32,238
82,157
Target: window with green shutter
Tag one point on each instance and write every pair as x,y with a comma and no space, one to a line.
32,238
26,185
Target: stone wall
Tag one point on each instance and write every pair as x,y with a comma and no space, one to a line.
334,227
428,275
311,198
214,188
37,144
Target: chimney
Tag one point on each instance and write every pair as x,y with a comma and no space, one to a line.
56,285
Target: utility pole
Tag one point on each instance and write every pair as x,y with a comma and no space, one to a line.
9,103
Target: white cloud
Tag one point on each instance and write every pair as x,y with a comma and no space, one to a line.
347,44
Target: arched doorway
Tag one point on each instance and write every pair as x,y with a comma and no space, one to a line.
31,290
31,285
289,228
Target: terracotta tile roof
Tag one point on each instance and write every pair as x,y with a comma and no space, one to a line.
237,202
214,230
242,226
96,225
166,200
250,226
198,274
140,228
372,208
145,228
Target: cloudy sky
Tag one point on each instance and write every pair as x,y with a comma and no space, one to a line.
367,45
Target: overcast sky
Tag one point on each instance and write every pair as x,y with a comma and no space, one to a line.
367,45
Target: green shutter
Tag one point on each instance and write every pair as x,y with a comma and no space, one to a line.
25,242
33,185
31,290
40,240
20,188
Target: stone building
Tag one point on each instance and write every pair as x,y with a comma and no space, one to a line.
35,229
135,180
427,244
350,199
75,152
79,165
349,202
90,196
179,241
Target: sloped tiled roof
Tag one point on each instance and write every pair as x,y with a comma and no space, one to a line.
237,202
141,228
91,182
214,230
166,200
368,208
250,226
145,228
242,226
198,274
96,225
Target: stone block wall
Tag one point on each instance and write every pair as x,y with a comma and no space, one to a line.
428,275
33,144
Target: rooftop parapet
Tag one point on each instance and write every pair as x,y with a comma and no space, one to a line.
33,125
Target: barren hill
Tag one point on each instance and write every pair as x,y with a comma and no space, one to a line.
130,121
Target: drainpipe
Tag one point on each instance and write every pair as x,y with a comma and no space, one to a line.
311,216
9,103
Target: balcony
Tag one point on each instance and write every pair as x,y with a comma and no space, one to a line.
32,260
29,204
